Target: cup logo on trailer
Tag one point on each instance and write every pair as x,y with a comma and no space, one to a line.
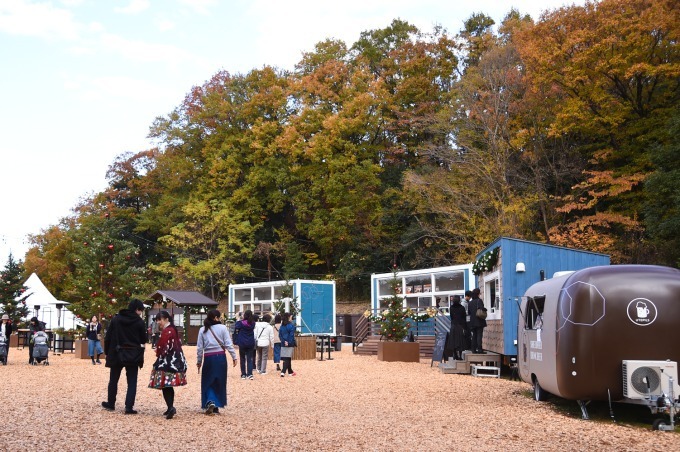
642,311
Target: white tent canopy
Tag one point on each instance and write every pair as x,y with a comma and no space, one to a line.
48,312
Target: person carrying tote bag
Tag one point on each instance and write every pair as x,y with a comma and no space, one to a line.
287,336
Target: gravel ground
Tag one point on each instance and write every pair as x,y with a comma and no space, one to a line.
349,403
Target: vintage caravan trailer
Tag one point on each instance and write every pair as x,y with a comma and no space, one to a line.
315,298
505,269
603,333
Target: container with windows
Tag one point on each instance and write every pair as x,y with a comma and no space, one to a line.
422,289
506,268
316,300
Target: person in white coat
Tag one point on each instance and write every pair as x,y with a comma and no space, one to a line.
264,338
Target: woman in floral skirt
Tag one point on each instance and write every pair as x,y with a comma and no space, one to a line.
170,367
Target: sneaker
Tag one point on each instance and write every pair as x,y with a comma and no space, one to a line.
250,377
243,377
171,412
210,408
278,367
293,374
282,375
99,362
217,410
263,373
108,406
94,363
130,411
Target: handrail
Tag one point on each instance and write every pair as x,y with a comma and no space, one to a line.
441,321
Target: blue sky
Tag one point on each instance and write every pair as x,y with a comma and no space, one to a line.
82,80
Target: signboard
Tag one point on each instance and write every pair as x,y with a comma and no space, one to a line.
439,343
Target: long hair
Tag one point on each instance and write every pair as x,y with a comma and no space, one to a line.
248,316
285,318
166,315
277,318
213,318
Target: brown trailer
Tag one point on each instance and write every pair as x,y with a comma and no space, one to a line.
576,331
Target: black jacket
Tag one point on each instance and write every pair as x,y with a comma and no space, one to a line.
126,329
473,305
8,331
458,315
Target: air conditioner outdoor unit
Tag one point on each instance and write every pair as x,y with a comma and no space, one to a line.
642,379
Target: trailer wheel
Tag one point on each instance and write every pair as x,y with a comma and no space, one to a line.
658,423
540,394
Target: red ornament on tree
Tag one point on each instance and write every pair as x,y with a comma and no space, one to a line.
110,247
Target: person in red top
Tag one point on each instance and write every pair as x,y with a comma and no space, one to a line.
170,367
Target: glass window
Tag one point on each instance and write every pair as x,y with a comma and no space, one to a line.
196,319
448,281
418,284
385,287
277,292
412,302
424,302
491,294
383,303
262,293
241,294
267,307
533,319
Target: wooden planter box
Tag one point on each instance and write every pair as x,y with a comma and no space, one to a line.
399,351
306,347
81,350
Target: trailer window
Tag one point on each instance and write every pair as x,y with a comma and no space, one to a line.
533,318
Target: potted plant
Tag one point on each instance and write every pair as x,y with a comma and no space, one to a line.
394,326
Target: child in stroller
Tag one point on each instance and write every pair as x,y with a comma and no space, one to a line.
40,347
3,349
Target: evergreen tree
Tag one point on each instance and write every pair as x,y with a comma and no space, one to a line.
107,270
394,325
13,294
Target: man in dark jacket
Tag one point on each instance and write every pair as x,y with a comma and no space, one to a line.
124,348
476,324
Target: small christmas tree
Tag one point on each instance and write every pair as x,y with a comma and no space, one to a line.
394,325
13,293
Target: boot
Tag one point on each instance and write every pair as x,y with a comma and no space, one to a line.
93,363
278,367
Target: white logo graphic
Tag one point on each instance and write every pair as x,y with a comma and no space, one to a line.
642,311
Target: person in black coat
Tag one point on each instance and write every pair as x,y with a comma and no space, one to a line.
477,325
458,325
124,348
6,330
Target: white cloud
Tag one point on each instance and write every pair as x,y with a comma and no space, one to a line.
164,24
113,88
144,51
135,7
23,18
199,6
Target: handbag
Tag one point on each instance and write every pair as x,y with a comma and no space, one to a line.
99,336
481,313
130,355
287,352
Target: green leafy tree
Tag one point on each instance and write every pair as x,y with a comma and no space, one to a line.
13,293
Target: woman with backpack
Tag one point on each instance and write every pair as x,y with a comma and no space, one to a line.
244,331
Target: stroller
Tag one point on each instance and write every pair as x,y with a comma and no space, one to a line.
3,349
40,348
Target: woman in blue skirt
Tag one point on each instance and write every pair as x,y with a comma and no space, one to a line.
213,341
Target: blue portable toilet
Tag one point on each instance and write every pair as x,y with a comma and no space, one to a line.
506,268
315,298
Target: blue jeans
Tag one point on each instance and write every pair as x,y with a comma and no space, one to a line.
92,345
277,352
247,358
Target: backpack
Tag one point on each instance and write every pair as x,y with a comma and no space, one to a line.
237,329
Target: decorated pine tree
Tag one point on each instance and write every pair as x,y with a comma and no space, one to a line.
394,324
107,269
13,294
